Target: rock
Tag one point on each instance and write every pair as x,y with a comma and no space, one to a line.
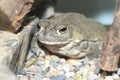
26,36
6,74
14,47
12,14
9,49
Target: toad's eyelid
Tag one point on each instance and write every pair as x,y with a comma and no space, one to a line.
58,32
60,26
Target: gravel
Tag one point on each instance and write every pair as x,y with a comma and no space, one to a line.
52,67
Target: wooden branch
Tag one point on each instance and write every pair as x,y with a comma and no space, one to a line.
109,58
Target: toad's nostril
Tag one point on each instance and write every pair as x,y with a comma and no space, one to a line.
38,26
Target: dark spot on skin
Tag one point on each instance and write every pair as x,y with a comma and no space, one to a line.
116,49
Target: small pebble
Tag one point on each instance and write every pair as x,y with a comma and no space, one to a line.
118,72
66,68
92,77
59,77
22,72
55,63
39,77
115,76
109,78
77,67
70,74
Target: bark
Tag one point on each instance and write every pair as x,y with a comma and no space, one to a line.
12,12
109,59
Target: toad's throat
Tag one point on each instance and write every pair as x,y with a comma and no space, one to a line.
72,49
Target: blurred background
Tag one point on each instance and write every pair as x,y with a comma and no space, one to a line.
99,10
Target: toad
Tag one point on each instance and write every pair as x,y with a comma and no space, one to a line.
70,34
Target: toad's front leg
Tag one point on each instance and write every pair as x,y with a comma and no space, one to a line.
35,47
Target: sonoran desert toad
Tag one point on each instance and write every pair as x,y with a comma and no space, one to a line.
70,34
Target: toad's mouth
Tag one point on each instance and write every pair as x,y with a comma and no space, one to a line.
54,42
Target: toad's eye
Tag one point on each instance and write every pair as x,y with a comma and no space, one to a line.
62,29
